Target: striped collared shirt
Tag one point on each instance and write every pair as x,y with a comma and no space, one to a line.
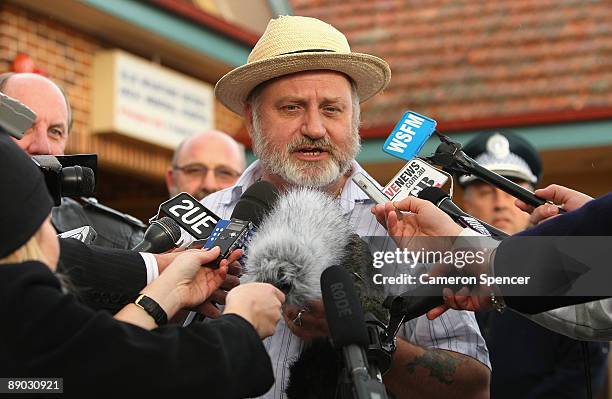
456,331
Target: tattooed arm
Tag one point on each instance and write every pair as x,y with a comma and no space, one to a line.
435,373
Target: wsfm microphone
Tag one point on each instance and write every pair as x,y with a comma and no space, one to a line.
349,334
162,235
442,200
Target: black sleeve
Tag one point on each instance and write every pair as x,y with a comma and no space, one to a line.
50,334
542,252
103,278
592,219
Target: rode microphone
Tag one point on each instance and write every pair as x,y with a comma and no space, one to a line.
65,181
162,235
348,332
442,200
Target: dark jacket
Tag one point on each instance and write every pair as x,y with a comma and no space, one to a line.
48,334
102,278
114,229
545,260
531,362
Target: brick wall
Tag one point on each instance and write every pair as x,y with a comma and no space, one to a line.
131,173
65,55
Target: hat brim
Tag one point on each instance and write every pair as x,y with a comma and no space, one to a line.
508,171
370,74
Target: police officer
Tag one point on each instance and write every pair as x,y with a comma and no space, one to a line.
511,156
528,360
48,136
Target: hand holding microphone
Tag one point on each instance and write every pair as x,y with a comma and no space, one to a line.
424,219
564,197
259,304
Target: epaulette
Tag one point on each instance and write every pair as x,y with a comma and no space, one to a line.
93,203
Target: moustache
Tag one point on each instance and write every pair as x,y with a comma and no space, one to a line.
323,144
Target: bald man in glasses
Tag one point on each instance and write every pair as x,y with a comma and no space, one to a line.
205,163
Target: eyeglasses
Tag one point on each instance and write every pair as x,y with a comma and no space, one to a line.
197,171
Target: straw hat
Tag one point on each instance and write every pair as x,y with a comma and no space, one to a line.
293,44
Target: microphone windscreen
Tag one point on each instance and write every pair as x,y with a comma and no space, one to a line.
342,308
432,194
358,261
255,202
303,234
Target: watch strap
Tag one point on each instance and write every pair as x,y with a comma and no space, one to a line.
152,308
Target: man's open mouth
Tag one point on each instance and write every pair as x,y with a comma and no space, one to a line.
311,151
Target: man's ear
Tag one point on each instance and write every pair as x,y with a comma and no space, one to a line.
170,180
248,118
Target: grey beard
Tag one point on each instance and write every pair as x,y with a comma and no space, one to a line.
302,173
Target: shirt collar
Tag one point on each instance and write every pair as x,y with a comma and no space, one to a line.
351,193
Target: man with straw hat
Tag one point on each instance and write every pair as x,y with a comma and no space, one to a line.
299,93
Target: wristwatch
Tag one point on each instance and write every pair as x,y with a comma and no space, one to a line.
152,308
498,304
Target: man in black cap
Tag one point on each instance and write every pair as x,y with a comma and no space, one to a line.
528,360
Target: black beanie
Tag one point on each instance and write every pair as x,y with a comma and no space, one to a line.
25,202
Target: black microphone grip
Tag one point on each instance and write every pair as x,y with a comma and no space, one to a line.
504,184
417,302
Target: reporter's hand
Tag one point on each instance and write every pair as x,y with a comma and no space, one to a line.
218,297
414,217
184,284
465,299
312,321
561,196
258,303
192,283
164,260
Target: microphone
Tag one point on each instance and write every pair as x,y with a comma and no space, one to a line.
442,200
193,217
405,141
234,233
161,236
15,117
65,181
85,234
409,135
348,332
304,233
452,159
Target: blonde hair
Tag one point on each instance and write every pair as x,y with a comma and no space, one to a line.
30,251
